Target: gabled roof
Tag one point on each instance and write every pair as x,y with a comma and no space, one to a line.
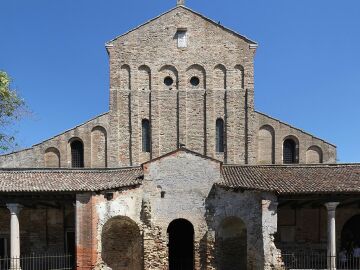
68,180
280,179
294,179
53,137
182,149
194,12
293,127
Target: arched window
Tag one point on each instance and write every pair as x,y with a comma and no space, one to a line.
219,135
77,154
289,151
146,135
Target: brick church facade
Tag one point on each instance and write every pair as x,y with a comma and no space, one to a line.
182,172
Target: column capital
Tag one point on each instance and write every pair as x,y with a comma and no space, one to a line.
331,206
14,208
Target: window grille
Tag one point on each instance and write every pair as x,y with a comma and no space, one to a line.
289,152
77,154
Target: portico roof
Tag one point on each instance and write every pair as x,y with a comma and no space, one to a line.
68,180
294,179
280,179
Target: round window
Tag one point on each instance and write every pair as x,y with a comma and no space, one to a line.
168,81
195,81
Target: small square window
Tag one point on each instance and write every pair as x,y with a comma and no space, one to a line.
182,38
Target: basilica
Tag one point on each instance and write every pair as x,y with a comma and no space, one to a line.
182,172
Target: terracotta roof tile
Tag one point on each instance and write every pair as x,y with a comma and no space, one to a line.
67,180
296,179
283,180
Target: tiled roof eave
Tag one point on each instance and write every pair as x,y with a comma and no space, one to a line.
298,179
62,180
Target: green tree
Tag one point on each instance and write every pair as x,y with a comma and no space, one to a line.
11,110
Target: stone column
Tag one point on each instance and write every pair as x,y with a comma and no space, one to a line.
14,209
331,231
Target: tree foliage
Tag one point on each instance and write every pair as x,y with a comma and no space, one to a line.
11,110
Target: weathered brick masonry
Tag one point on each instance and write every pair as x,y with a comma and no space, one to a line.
181,112
189,195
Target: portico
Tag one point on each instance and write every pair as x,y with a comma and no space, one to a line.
311,230
37,229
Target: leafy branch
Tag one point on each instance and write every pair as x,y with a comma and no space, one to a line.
11,110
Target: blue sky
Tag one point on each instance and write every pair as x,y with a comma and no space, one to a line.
307,67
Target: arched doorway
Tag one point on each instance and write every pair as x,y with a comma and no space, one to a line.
350,234
231,244
122,244
181,245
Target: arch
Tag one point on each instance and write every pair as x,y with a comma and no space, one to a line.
350,233
196,71
169,71
98,147
181,245
266,145
290,150
220,142
77,153
314,155
52,158
231,244
125,77
146,135
219,77
144,80
239,78
121,244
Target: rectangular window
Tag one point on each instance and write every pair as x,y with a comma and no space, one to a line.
182,38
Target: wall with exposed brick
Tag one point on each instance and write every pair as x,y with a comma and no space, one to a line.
169,193
56,152
271,134
85,221
121,243
181,113
258,213
184,196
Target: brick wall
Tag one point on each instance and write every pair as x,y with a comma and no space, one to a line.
181,113
271,134
56,152
170,193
